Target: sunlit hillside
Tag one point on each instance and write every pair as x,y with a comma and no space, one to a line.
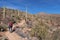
43,26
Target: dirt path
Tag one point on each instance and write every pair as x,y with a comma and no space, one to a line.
14,36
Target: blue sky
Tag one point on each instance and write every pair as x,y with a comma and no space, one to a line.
33,6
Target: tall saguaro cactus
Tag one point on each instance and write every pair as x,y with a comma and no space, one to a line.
11,13
26,13
4,15
18,12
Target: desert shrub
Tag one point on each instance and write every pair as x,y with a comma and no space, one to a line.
3,38
39,31
3,27
56,35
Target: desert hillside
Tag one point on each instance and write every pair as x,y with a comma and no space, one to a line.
42,26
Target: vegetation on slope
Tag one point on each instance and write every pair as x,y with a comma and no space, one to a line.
41,24
39,31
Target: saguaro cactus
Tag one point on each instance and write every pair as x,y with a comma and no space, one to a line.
18,12
11,13
26,14
4,14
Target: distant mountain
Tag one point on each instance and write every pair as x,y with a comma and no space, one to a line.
42,13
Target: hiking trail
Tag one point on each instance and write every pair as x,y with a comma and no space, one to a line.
14,36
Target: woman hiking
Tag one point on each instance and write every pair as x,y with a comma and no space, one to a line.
10,25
